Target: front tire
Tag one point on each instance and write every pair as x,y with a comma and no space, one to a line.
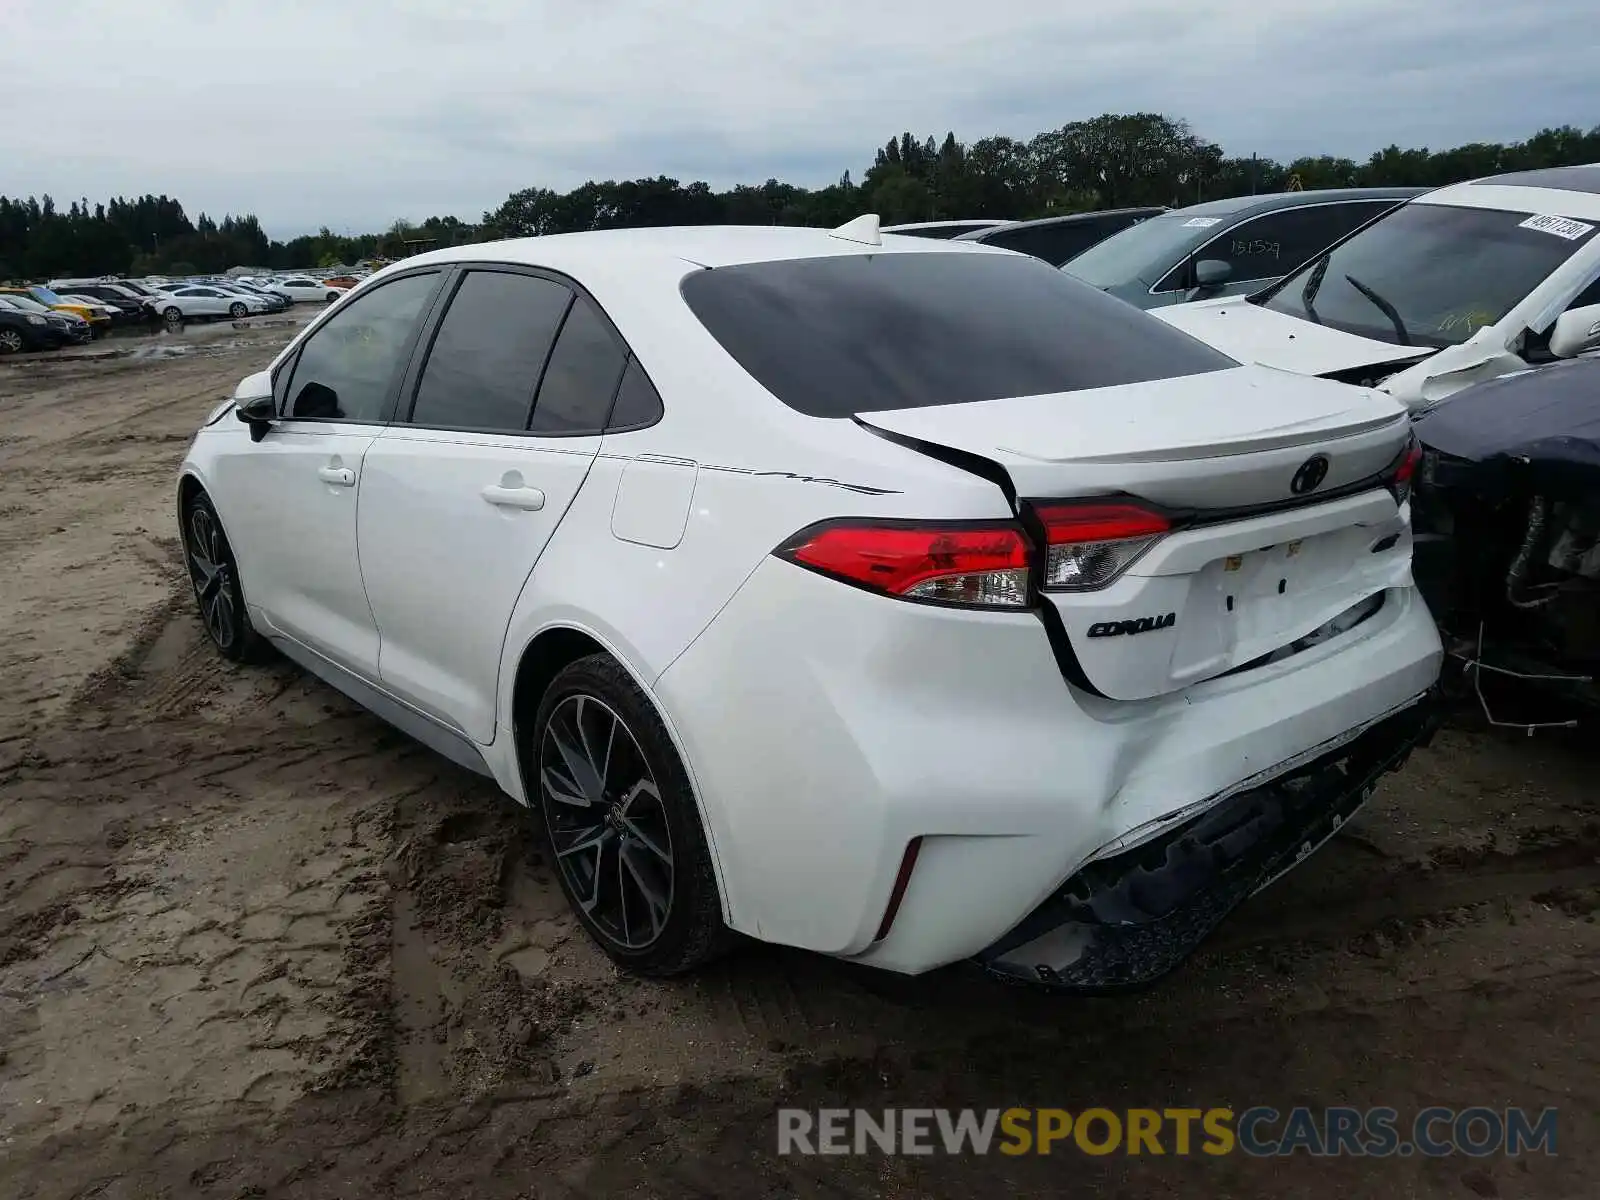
239,311
215,576
12,342
621,822
173,316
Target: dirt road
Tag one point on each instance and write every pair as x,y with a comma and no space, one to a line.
253,943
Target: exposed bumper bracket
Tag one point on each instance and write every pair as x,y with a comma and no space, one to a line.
1123,922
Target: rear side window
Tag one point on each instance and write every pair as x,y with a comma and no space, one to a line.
582,376
941,232
871,332
485,361
1056,244
638,403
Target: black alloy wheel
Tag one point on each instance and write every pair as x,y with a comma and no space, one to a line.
215,577
622,823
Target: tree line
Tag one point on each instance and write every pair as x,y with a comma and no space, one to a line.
1104,162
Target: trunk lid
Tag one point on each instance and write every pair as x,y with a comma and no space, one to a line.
1249,566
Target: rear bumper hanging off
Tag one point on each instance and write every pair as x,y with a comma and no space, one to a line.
1124,921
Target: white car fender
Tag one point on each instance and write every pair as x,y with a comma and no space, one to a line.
667,598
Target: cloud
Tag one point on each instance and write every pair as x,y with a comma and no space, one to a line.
357,112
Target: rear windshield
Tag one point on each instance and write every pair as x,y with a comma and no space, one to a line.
871,332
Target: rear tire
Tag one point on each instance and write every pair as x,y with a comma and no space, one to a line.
621,822
215,576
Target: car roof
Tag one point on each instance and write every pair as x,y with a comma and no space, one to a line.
979,223
1272,201
1564,191
1069,219
679,247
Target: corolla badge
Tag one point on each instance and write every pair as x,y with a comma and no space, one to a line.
1310,475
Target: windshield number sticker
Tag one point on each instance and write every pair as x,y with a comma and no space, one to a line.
1202,222
1255,248
1562,227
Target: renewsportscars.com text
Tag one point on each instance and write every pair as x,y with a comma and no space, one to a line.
1260,1132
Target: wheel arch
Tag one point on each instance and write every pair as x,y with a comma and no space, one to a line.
190,485
546,653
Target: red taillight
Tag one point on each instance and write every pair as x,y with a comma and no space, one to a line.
1406,472
1090,543
975,565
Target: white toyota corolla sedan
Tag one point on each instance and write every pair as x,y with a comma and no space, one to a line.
902,600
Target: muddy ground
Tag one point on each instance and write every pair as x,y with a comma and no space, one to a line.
253,943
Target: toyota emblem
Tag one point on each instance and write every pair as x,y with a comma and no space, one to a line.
1310,475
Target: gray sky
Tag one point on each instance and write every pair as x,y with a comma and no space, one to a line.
355,112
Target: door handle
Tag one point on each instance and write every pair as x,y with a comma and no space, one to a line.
338,476
530,499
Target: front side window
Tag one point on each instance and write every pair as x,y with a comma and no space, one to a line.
486,358
1429,274
1267,246
581,378
347,368
855,333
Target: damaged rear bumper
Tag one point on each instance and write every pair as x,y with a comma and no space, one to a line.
1124,921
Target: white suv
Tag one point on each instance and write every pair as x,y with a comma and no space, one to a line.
903,600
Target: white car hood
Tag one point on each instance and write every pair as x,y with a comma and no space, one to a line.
1251,333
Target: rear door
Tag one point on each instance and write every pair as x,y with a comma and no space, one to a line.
499,424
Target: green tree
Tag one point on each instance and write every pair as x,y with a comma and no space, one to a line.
1110,160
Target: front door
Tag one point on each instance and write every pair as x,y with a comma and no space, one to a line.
290,501
460,496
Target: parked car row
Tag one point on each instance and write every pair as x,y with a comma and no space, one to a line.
96,317
26,324
82,309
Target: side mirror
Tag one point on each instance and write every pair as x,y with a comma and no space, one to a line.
1212,272
1576,331
258,412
